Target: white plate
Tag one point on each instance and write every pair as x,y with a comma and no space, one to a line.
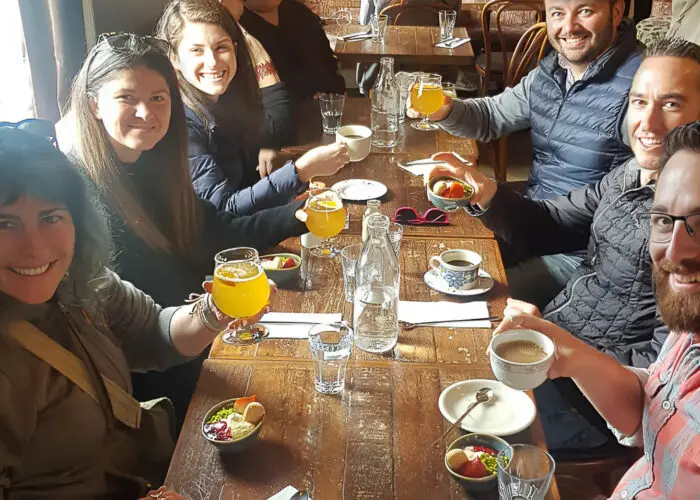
509,412
359,189
484,283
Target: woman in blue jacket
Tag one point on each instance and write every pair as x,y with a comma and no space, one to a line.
225,114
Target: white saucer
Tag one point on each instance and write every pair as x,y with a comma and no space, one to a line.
359,189
484,283
509,412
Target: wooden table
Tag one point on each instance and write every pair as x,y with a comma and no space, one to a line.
321,290
406,44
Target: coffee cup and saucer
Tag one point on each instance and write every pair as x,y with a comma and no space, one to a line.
458,273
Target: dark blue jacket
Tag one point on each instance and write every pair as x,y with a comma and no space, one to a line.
578,135
221,168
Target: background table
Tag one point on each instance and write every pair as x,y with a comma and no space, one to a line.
406,44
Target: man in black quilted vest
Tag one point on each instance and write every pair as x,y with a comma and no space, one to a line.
609,302
574,103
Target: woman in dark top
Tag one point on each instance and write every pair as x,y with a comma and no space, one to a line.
224,113
131,140
293,36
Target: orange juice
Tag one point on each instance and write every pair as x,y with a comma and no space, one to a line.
326,218
426,98
240,289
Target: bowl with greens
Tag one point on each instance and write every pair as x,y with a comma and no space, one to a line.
233,425
471,459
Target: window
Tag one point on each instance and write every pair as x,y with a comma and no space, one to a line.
16,97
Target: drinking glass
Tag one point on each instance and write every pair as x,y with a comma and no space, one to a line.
331,111
449,89
447,24
404,81
330,345
379,24
426,98
241,290
324,216
395,235
527,474
350,254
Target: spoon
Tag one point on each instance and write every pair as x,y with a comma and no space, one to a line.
407,325
300,495
483,395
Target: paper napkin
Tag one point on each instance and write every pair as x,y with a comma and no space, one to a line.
417,312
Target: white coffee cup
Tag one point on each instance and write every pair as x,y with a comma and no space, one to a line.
359,143
459,277
521,376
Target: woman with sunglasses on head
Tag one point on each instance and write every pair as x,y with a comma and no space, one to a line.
224,114
62,434
131,139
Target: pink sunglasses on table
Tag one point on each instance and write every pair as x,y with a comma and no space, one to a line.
409,216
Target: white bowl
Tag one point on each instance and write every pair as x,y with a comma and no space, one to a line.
521,376
359,146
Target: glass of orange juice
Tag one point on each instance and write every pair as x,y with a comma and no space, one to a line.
324,216
426,98
241,290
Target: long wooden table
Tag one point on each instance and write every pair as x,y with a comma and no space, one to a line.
406,44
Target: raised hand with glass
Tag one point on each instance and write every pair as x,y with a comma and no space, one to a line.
427,97
241,290
324,216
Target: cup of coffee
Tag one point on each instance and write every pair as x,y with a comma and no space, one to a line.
521,358
358,139
458,269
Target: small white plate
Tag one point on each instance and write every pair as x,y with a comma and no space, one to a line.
359,189
484,283
509,412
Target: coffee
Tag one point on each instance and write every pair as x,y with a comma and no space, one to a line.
352,136
520,351
459,263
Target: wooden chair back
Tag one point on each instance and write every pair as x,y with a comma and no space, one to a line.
401,14
532,44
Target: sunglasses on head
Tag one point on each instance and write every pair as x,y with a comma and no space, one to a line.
121,41
410,216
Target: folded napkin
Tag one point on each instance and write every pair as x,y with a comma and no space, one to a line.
285,494
452,43
295,325
418,312
420,170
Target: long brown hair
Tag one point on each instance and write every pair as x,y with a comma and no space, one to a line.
239,110
177,228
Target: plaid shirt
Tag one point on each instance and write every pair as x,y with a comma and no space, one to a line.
670,467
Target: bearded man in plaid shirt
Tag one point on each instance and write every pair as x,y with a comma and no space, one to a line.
658,408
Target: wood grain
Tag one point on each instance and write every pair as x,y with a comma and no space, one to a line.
321,290
406,44
371,441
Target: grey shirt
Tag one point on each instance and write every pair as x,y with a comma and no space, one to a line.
54,441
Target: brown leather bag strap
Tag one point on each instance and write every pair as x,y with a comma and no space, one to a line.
125,408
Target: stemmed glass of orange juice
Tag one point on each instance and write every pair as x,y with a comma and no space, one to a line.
324,216
426,98
241,290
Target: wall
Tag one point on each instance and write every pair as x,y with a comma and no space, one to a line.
136,16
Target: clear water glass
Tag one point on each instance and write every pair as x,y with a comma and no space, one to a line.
350,254
395,236
404,81
527,474
331,111
379,24
448,18
449,89
331,345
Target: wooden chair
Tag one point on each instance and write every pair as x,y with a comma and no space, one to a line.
528,52
491,65
401,14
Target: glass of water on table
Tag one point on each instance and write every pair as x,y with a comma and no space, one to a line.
331,111
331,345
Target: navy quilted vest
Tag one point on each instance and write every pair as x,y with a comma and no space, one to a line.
576,135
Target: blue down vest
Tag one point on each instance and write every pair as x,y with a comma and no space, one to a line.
576,134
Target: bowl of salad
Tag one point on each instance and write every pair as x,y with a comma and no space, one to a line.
233,425
282,268
471,459
449,193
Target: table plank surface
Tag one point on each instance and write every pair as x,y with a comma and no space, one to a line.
372,441
321,291
406,44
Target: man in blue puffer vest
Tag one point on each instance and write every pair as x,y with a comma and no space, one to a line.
574,103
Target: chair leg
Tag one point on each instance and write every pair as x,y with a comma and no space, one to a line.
501,165
493,150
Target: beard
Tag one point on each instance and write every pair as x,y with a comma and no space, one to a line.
679,310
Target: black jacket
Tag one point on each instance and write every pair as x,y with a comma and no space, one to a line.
609,302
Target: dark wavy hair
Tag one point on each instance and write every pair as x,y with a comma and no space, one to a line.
683,137
239,111
31,166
